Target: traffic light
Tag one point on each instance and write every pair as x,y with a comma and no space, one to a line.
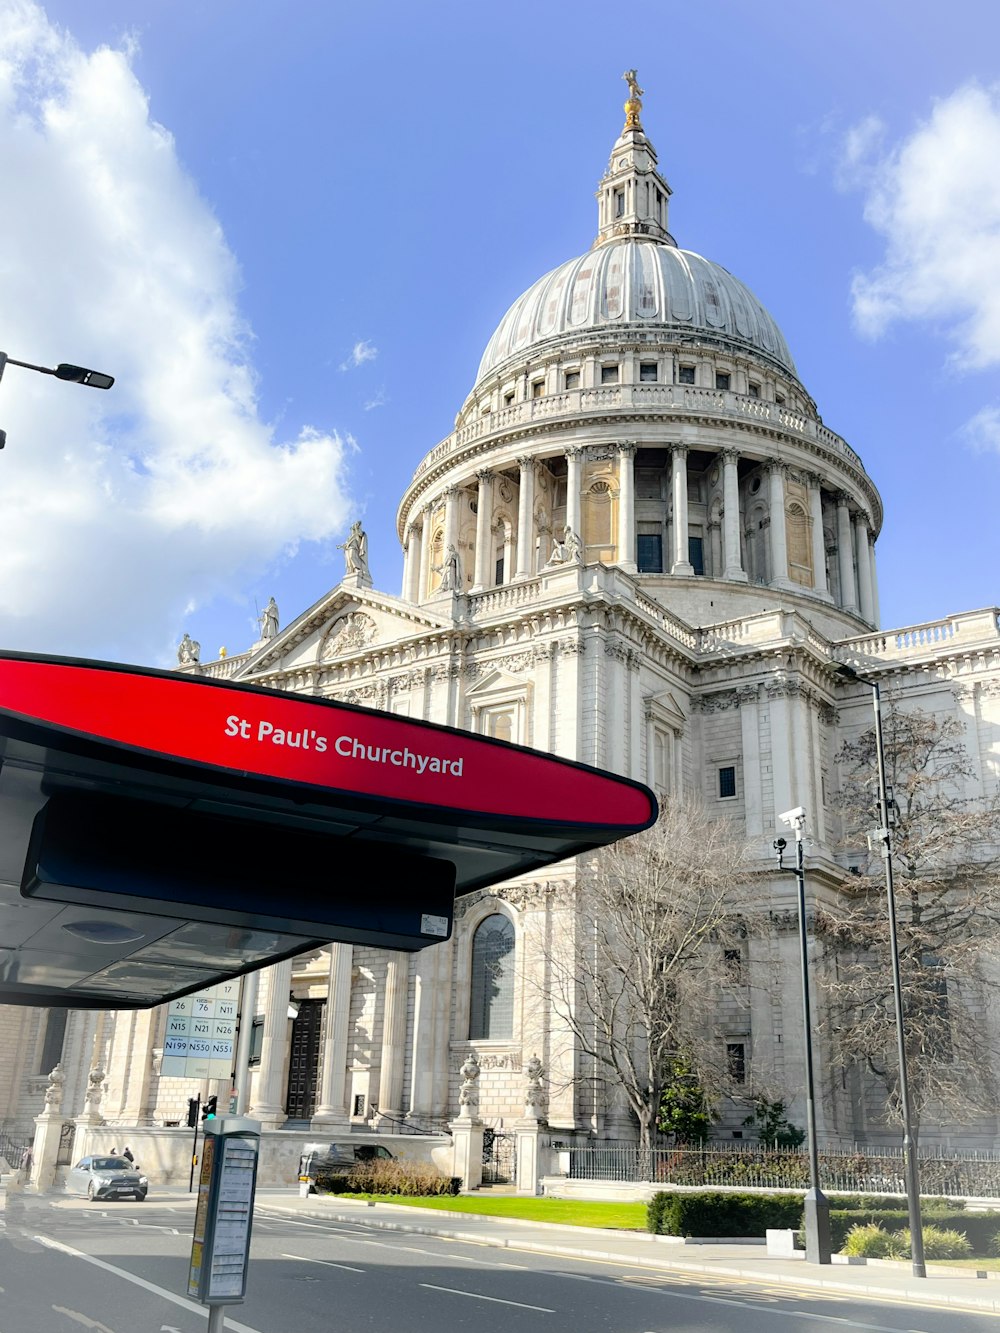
193,1103
208,1110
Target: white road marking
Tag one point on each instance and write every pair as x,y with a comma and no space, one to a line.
83,1319
453,1291
328,1262
410,1249
185,1304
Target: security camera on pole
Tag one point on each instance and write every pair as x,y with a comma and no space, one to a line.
817,1206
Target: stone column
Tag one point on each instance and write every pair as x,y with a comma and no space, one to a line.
48,1128
863,550
414,560
875,602
574,469
776,526
681,562
733,564
134,1108
452,500
390,1083
525,519
424,576
818,542
467,1129
626,507
333,1108
484,530
845,560
269,1099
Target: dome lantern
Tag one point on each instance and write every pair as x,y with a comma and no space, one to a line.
632,197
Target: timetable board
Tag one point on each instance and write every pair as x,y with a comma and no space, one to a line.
201,1033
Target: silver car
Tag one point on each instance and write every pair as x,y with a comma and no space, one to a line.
107,1178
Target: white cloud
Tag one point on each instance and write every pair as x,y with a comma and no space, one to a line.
361,352
858,152
983,430
379,400
936,200
122,510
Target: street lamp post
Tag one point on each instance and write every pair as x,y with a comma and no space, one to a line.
883,833
94,379
817,1206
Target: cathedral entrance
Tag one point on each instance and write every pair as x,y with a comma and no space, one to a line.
303,1064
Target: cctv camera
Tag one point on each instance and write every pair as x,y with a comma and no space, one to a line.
779,845
793,817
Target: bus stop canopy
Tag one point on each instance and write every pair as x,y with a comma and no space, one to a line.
161,832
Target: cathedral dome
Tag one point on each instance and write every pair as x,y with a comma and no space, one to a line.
636,284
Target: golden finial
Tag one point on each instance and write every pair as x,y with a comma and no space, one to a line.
222,652
634,104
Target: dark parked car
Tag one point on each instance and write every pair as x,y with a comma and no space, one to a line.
337,1159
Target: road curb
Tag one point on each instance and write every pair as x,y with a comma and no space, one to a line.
914,1295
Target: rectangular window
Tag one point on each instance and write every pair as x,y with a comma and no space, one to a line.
619,203
572,379
537,388
498,571
727,782
779,398
52,1046
696,554
508,398
649,552
685,374
733,959
722,379
359,1104
736,1061
753,389
647,372
609,374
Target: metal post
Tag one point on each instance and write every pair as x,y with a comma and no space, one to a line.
817,1206
910,1161
216,1318
248,1008
194,1146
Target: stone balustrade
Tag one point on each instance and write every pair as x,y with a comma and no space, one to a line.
671,399
967,630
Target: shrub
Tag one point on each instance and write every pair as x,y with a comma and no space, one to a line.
868,1240
940,1243
711,1213
978,1228
382,1176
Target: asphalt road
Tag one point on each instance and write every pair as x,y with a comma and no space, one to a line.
121,1268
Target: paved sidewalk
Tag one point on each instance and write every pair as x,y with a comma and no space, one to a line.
945,1287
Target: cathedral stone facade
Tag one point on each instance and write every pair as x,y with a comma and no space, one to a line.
639,548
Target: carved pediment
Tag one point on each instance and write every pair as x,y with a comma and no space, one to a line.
347,634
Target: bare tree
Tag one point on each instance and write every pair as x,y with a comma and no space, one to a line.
947,880
640,984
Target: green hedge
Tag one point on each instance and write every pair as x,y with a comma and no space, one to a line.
979,1228
714,1213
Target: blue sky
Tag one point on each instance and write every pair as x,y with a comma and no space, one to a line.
291,231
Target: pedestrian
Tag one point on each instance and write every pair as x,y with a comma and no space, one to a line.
127,1154
27,1160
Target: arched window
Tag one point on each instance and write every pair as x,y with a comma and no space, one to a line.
491,1012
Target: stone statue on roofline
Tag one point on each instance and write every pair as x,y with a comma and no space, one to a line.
268,620
355,551
450,570
189,652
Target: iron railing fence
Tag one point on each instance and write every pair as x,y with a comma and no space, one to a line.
863,1170
12,1144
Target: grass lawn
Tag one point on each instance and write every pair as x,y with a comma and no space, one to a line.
570,1212
990,1265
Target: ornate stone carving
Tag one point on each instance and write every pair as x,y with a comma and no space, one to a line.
828,714
714,703
350,632
268,620
534,1093
523,896
747,694
95,1091
468,1096
509,1060
450,570
571,646
54,1089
